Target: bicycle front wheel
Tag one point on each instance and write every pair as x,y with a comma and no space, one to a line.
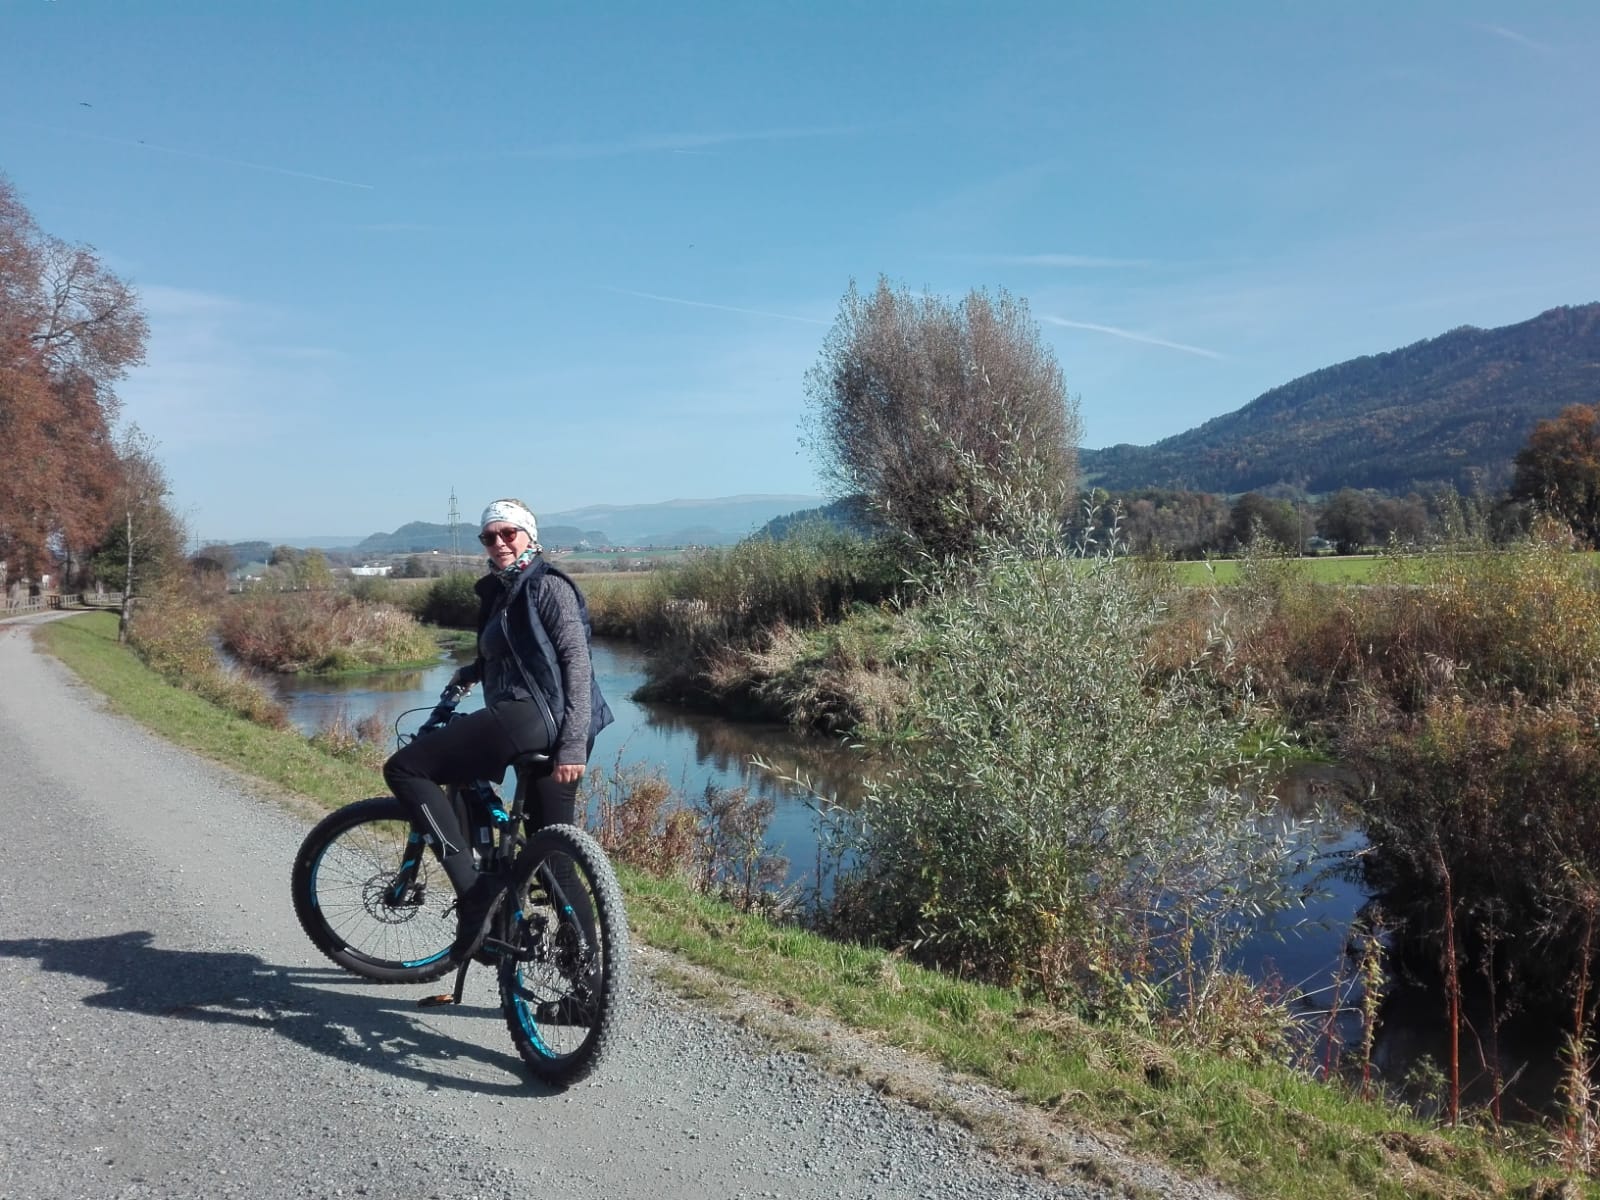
563,984
372,897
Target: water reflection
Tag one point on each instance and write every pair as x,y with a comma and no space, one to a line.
690,750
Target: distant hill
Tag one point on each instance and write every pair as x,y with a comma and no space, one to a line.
848,514
1452,409
685,522
419,537
672,523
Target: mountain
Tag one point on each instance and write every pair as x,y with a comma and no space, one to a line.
419,537
684,522
1450,409
673,523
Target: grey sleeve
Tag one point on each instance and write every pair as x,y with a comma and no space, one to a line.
558,610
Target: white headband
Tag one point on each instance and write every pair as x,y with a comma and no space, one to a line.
511,513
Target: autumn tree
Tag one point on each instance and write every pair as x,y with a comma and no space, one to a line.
69,330
933,411
1559,470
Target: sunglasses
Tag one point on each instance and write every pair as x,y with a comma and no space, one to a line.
508,536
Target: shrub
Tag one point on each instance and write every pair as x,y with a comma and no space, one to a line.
366,741
450,601
1058,814
321,631
172,632
1495,800
714,615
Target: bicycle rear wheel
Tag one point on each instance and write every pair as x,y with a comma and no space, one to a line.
372,897
562,989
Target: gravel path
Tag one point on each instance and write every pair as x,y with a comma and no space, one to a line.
167,1030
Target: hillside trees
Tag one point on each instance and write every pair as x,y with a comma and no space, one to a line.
1559,470
69,329
930,410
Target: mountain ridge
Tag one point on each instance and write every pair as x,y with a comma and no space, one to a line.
1451,409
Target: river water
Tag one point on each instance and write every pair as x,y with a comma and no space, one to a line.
1304,949
693,750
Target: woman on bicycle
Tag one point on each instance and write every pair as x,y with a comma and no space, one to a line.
540,696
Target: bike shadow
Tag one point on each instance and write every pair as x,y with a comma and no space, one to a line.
376,1027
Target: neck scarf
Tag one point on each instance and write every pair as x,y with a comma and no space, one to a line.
516,566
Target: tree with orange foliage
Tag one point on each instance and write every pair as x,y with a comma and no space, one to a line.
1559,470
69,330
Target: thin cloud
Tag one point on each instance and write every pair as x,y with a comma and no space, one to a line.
1131,336
749,312
1511,35
195,154
672,143
1071,261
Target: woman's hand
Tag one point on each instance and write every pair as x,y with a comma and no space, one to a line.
569,772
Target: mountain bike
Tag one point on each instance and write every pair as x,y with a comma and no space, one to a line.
372,896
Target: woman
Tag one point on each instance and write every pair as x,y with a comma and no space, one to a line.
539,696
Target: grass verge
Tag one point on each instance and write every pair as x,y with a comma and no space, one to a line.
88,645
1262,1131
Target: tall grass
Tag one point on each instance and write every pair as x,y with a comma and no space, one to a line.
321,631
710,620
1464,688
172,633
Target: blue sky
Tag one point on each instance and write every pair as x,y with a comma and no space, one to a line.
586,253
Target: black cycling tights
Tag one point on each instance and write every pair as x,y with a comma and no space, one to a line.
478,745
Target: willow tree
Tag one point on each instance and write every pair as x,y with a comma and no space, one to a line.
937,413
69,330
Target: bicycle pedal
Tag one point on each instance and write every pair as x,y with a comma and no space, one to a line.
438,1001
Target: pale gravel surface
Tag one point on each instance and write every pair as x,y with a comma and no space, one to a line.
167,1030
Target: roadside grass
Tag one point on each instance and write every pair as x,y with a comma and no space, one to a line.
1262,1131
88,645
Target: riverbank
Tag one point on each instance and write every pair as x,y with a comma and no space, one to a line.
1263,1131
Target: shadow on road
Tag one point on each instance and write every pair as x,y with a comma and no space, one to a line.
378,1027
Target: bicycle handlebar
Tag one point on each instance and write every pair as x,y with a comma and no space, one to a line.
445,709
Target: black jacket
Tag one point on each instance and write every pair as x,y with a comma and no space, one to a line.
545,623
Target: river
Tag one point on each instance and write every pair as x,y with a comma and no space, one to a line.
693,750
1303,948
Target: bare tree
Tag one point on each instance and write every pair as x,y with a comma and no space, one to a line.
931,410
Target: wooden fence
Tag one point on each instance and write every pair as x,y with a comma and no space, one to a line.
48,600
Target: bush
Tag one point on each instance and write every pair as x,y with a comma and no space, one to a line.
172,632
321,631
450,601
1058,815
1496,801
710,620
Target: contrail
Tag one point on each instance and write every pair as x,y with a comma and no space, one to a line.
212,158
1135,337
1511,35
749,312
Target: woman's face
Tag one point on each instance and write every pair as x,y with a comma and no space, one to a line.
504,543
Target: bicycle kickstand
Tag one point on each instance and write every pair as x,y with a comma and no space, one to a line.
448,997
